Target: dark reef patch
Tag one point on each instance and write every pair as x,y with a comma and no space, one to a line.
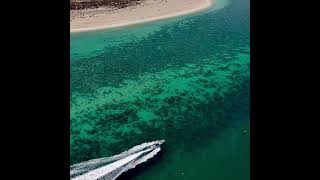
91,4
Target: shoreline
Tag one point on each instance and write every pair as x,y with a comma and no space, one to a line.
142,16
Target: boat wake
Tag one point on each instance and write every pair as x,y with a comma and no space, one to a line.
110,168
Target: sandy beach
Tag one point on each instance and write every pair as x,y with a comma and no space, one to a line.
148,10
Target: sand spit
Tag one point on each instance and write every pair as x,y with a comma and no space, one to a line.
142,11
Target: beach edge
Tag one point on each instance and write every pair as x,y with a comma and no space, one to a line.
207,5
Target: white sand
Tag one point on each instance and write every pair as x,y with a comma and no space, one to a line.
151,10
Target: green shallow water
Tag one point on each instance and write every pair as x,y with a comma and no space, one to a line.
185,80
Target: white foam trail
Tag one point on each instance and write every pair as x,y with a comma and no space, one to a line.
86,166
100,172
111,167
139,161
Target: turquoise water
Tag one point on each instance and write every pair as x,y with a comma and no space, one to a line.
185,80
